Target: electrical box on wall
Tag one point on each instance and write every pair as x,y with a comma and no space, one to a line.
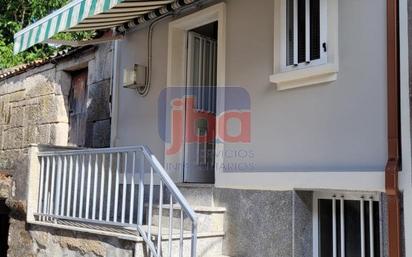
135,78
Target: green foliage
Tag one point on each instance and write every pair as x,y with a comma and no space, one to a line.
17,14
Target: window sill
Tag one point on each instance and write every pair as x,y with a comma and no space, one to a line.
305,77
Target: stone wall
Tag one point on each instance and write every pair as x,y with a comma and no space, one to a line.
279,223
34,110
99,89
56,242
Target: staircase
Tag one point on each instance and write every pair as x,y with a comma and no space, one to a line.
210,220
82,189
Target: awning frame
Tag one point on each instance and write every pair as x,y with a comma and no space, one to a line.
89,15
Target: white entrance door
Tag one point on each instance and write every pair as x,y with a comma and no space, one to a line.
200,109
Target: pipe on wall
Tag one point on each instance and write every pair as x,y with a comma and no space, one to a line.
394,147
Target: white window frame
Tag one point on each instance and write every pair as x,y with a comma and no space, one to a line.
319,71
330,195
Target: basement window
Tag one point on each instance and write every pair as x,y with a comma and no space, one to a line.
306,44
346,225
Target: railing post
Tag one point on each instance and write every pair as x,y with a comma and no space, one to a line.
33,183
194,239
140,202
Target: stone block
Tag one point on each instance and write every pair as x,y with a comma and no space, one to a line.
53,109
59,134
32,114
38,85
5,110
101,133
31,135
83,246
91,77
101,67
1,136
5,186
17,96
19,241
63,83
76,62
37,134
17,116
13,138
52,242
12,87
98,107
9,157
47,70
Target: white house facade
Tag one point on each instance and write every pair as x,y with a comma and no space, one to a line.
241,128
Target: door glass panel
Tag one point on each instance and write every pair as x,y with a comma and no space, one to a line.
200,118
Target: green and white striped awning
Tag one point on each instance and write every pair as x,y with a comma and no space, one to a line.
83,15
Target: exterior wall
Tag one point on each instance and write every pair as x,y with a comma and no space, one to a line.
34,110
49,242
326,136
99,91
137,116
280,223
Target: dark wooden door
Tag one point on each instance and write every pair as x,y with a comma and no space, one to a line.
78,109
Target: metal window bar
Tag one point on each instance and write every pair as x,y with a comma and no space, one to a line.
364,233
64,173
362,222
334,228
342,227
293,41
371,229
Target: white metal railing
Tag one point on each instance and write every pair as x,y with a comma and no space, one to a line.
123,187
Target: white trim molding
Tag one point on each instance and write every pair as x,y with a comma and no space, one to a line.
176,68
313,74
305,77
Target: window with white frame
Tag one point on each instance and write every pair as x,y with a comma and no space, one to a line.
305,32
306,43
346,225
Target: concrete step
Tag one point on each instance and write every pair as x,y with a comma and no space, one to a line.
197,194
208,243
210,219
175,233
